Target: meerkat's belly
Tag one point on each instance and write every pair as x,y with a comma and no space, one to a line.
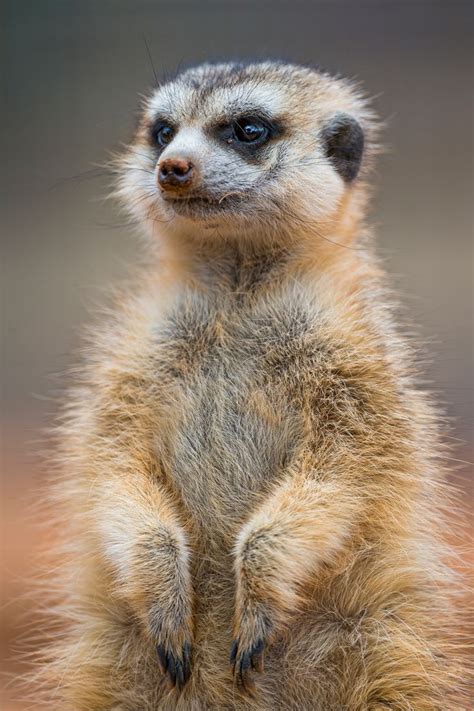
231,442
233,428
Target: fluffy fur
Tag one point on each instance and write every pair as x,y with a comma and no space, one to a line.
248,467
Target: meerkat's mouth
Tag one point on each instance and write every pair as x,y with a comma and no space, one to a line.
201,205
192,200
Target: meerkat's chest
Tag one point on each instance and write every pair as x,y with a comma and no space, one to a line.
233,421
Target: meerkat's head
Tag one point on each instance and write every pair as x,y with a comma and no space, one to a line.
247,150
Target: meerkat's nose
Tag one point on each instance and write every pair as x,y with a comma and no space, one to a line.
175,173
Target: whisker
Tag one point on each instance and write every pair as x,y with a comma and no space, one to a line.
151,60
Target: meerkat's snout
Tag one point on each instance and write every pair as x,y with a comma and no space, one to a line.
176,173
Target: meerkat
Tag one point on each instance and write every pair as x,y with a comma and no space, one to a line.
250,478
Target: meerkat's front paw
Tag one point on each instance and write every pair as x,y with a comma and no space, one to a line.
251,635
176,665
244,660
172,631
259,610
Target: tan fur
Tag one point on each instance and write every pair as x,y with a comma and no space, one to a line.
246,455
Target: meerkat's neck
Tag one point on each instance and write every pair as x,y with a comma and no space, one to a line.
231,265
242,263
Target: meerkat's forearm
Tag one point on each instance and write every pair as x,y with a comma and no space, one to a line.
306,522
148,550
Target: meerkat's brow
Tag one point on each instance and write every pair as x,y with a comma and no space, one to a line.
232,112
236,112
163,116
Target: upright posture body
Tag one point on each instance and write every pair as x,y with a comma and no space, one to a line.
249,473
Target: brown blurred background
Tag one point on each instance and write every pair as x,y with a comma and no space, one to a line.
72,72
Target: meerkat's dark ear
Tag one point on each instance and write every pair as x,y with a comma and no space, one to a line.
344,143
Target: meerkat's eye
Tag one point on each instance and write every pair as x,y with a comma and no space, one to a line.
163,134
250,131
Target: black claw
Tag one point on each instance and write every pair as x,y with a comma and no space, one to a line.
256,655
179,674
233,651
244,678
162,658
186,661
171,669
244,664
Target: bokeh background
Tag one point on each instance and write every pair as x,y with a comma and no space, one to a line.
72,73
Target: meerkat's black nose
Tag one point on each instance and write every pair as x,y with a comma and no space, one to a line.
175,173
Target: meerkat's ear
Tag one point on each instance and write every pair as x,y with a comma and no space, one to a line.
344,144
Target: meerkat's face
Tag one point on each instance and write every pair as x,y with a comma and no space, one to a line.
245,149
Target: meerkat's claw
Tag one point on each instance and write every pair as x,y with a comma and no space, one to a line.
246,660
176,668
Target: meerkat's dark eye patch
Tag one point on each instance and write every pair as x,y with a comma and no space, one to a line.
344,143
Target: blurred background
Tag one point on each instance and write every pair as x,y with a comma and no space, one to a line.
72,74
